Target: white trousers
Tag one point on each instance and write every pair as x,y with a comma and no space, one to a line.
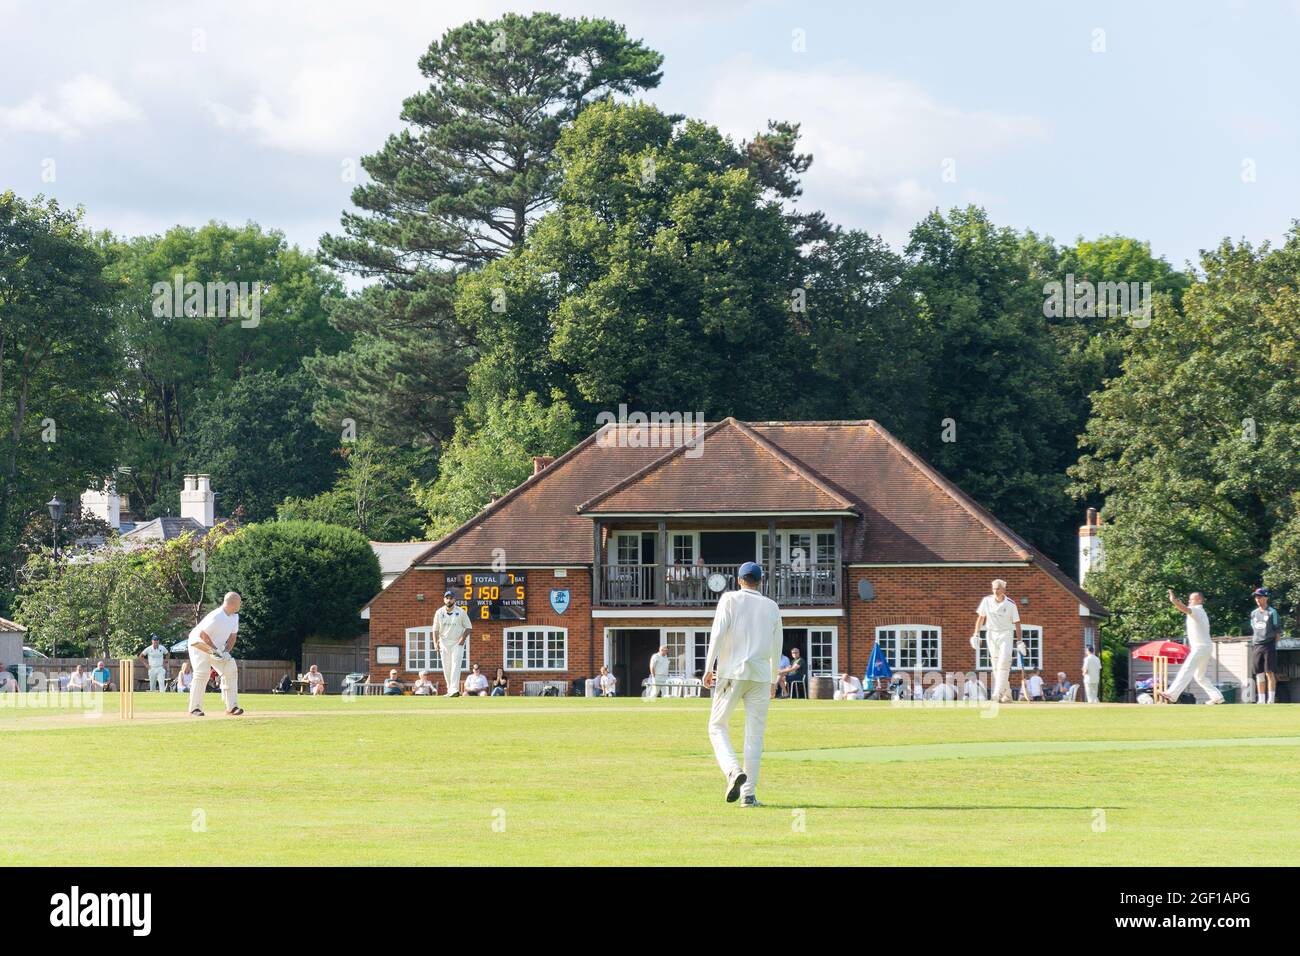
1193,669
451,656
999,646
203,664
1090,690
726,694
658,685
157,678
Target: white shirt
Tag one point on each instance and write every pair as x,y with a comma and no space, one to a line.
1035,686
851,685
660,664
315,677
973,690
607,683
218,625
78,681
448,626
943,691
476,682
1198,626
745,643
1092,667
1000,618
156,656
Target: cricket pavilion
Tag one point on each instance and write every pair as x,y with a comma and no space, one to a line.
623,545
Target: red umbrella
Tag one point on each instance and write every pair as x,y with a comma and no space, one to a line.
1168,649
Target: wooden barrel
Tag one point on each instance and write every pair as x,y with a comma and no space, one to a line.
821,688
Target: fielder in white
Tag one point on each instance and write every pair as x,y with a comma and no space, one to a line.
744,648
209,646
660,665
1091,674
999,618
450,625
1198,641
155,656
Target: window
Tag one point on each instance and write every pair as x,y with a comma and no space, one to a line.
684,549
825,548
800,550
1032,635
627,548
536,649
676,644
910,647
821,652
701,653
423,654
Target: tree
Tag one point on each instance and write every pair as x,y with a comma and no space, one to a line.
374,494
298,579
484,462
181,350
996,423
664,278
58,359
1196,447
260,445
456,188
106,607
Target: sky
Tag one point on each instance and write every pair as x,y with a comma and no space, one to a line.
1173,122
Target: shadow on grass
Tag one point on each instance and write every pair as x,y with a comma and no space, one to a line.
870,806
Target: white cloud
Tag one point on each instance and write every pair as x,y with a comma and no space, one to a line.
84,102
879,143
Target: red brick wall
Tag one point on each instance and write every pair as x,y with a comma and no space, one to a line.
945,597
397,608
948,596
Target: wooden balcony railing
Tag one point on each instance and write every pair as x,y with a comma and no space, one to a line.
631,585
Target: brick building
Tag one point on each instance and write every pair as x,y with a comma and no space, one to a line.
623,544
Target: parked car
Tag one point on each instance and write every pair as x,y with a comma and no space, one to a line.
33,652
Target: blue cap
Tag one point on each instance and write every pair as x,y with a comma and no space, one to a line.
448,593
751,569
1262,592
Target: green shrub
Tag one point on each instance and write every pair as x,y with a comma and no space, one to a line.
298,579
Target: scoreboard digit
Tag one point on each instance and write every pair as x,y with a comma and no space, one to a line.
491,595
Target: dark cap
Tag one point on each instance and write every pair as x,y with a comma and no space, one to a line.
752,570
448,593
1261,592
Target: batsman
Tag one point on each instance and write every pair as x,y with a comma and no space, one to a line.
209,648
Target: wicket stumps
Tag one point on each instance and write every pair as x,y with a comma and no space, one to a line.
126,689
1160,675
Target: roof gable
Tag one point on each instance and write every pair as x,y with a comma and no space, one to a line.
730,468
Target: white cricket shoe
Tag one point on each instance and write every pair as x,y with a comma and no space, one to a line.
735,780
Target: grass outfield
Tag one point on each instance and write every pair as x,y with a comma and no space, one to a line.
575,781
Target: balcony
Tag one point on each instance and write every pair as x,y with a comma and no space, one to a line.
637,585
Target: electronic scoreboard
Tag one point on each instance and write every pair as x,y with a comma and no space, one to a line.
490,595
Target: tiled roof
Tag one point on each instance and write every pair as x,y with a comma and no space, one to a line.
729,468
164,529
910,513
7,625
396,556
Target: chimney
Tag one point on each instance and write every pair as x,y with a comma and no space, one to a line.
540,462
1090,553
197,500
104,505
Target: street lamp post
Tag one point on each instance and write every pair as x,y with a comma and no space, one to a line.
56,515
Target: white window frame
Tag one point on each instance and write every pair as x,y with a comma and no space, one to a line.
694,537
520,634
615,554
813,670
1032,635
920,664
814,555
431,660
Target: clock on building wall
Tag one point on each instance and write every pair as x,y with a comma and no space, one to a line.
490,595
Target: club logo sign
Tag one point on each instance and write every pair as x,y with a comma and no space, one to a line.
559,600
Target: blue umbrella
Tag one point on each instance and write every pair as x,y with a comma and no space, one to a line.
878,664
